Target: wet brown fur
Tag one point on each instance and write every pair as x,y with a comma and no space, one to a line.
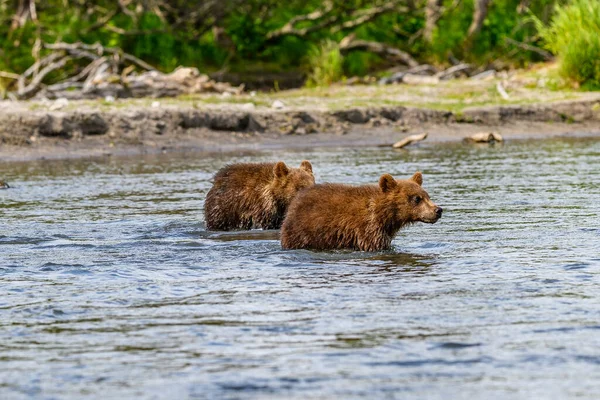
245,196
366,218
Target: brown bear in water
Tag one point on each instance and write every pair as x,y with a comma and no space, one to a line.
244,196
366,218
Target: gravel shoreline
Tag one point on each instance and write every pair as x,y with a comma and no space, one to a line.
87,130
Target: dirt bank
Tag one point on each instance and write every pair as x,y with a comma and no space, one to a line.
87,128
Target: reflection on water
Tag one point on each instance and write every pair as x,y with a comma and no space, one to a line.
112,287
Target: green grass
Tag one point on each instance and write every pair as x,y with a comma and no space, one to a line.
574,35
325,63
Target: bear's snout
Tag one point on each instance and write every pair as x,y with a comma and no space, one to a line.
438,212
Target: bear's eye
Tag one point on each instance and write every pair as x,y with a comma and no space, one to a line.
418,199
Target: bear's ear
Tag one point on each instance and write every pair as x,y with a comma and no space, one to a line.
281,170
387,183
417,178
306,165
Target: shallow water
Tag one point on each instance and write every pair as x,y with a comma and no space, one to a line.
112,288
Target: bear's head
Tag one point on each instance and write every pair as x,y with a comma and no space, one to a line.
406,200
289,181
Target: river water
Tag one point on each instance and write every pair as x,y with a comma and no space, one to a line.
112,288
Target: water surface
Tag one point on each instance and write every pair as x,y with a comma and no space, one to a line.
112,288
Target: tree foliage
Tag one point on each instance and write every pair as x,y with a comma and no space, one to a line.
574,35
236,34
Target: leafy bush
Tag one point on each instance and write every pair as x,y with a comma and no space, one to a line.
325,63
574,36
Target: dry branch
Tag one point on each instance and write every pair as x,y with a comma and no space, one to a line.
102,21
383,50
26,91
433,13
409,140
367,15
327,18
289,29
484,137
479,14
99,49
424,69
454,70
546,55
500,89
8,75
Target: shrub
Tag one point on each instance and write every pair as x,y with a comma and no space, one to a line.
574,36
325,64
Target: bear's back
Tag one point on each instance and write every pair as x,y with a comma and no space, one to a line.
244,175
237,198
335,198
327,215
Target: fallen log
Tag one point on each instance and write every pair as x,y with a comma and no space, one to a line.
410,140
412,79
484,137
424,69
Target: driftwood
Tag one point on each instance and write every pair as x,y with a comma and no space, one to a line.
484,137
490,73
427,74
424,69
412,79
502,91
110,72
409,140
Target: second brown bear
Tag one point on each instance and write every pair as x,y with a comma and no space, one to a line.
246,196
335,216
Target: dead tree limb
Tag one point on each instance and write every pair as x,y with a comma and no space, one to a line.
409,140
102,21
335,21
454,70
35,67
398,77
479,15
365,16
25,10
546,55
102,59
349,44
289,27
26,91
8,75
98,49
123,4
433,13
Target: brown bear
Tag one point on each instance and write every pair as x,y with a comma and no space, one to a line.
245,196
335,216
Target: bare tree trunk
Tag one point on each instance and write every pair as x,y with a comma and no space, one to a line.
479,14
432,15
